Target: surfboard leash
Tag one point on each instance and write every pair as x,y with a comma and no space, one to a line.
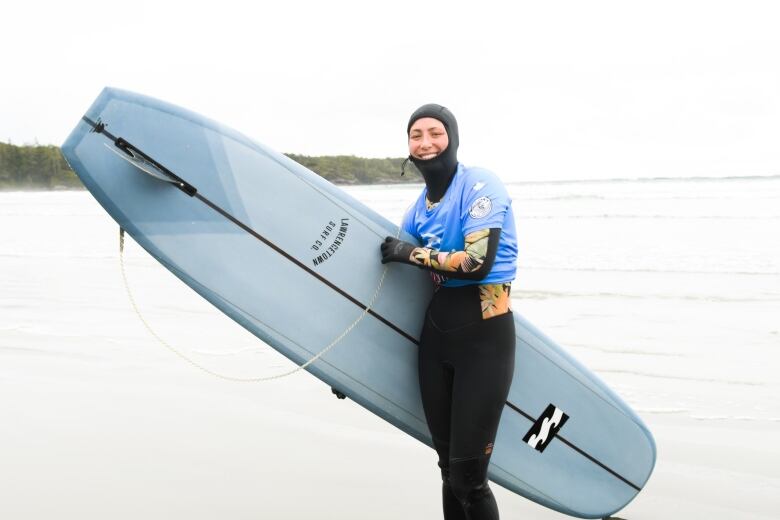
235,379
148,165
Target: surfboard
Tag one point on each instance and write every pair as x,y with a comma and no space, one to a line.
295,260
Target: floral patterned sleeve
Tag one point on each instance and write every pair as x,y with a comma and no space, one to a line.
474,262
474,259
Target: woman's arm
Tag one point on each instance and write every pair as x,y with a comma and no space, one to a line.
473,263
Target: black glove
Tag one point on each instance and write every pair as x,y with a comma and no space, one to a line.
394,250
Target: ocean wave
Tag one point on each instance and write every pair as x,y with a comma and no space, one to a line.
564,197
647,270
733,382
650,197
733,418
546,295
727,178
701,417
65,212
623,350
29,330
63,255
522,217
35,351
10,328
216,353
662,411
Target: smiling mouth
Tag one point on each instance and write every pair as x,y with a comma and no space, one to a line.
428,156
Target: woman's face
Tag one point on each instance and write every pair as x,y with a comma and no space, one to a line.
427,138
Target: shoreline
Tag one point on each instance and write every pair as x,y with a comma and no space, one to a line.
102,421
527,182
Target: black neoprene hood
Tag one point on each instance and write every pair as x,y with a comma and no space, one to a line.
440,113
438,172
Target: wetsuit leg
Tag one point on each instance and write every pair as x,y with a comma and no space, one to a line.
466,367
481,380
436,389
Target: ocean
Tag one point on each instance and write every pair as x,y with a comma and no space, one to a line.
668,289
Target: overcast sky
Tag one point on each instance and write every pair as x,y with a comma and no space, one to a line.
541,90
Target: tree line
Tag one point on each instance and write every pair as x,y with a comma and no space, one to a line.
35,167
43,167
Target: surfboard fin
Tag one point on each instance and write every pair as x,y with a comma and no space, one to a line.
338,394
143,162
140,163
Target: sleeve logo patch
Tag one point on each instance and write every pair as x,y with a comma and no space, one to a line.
480,208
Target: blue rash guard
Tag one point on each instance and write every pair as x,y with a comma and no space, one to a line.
476,199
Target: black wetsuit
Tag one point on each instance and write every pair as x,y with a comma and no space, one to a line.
466,362
466,366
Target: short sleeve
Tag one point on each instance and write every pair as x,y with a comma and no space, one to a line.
407,224
485,202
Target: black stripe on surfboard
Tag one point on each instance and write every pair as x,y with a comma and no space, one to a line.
304,267
578,450
99,127
123,144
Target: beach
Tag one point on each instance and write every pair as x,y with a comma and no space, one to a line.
668,289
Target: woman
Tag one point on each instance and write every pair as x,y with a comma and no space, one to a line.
463,219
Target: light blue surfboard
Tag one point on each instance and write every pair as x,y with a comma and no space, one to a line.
295,260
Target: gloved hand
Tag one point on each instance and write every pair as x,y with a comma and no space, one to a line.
394,250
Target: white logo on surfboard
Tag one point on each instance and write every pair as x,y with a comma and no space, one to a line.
548,423
545,428
480,208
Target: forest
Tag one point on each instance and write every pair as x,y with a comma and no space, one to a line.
43,167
